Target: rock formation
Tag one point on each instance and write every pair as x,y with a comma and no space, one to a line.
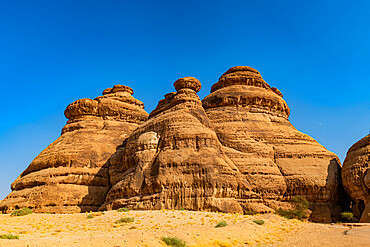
356,177
235,151
238,152
71,174
174,160
251,120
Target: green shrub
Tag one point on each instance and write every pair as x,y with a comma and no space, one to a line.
292,214
176,242
124,220
182,209
348,217
9,236
299,211
90,216
122,210
259,222
300,203
221,224
21,212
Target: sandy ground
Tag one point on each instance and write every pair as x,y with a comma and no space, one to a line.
195,228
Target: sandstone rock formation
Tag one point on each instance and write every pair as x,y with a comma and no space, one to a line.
239,154
356,177
174,160
71,174
251,120
235,151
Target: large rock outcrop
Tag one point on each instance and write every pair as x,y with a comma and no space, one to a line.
238,152
235,151
278,161
174,160
356,177
71,174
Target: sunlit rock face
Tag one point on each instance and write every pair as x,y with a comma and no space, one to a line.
234,152
356,177
71,175
278,161
174,160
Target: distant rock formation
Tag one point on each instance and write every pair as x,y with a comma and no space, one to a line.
356,177
71,175
278,161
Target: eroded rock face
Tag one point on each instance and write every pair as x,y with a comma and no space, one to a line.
356,177
235,151
174,160
71,174
251,120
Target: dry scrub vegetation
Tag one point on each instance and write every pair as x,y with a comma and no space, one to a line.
159,228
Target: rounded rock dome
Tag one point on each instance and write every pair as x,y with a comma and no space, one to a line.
240,68
122,88
188,82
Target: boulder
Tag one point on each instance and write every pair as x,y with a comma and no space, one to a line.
251,119
71,174
356,178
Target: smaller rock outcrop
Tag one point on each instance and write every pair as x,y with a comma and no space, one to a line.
356,177
71,175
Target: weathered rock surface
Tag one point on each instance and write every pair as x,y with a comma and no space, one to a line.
174,160
278,161
235,151
71,174
356,177
239,154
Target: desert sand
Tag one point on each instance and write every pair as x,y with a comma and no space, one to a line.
195,228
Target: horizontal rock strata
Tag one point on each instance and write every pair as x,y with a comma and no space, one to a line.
71,174
174,160
235,152
251,119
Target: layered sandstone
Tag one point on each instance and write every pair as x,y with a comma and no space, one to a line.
71,174
174,160
278,161
235,151
356,177
238,152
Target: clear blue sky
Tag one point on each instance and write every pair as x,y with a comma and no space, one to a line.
317,53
